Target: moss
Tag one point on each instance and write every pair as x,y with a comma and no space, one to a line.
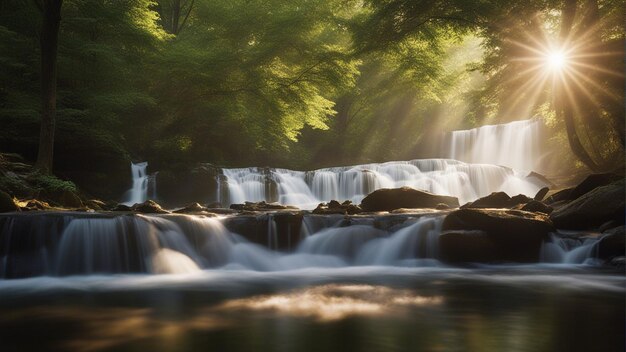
51,184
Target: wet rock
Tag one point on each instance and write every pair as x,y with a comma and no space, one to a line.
559,197
35,204
612,244
536,206
442,206
493,235
592,209
279,231
70,199
541,194
334,207
122,207
494,200
195,209
96,204
149,207
388,199
7,203
497,200
191,208
261,206
592,182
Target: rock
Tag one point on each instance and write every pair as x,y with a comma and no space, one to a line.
488,235
7,203
261,206
592,182
536,206
35,204
96,204
467,247
149,207
122,207
560,196
541,178
334,207
494,200
70,199
388,199
519,199
592,209
497,200
541,194
214,205
194,208
612,243
442,206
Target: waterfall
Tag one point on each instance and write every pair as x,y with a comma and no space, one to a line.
142,184
61,244
441,176
516,145
563,248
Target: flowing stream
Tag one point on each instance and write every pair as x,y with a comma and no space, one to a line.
96,282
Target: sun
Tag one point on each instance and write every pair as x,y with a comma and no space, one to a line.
556,60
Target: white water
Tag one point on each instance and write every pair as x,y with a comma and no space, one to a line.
440,176
187,244
138,193
516,145
561,249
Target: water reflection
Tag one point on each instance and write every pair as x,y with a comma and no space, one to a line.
413,314
333,302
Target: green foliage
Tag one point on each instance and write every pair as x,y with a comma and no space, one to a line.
50,184
302,83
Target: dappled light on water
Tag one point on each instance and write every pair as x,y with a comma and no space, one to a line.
334,302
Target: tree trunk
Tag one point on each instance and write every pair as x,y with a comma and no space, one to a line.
51,11
563,105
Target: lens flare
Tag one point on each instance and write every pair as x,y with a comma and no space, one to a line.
556,60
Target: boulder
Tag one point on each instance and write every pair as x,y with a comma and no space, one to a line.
334,207
592,209
122,207
7,203
194,208
592,182
149,207
541,194
536,206
492,235
35,204
95,204
612,243
388,199
497,200
70,199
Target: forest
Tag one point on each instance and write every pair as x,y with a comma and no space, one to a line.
299,84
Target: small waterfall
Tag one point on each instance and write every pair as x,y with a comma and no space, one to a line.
441,176
566,249
142,184
516,145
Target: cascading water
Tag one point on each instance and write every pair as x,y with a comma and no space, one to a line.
62,244
441,176
143,184
516,145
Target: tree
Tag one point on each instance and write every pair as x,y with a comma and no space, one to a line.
49,39
174,14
